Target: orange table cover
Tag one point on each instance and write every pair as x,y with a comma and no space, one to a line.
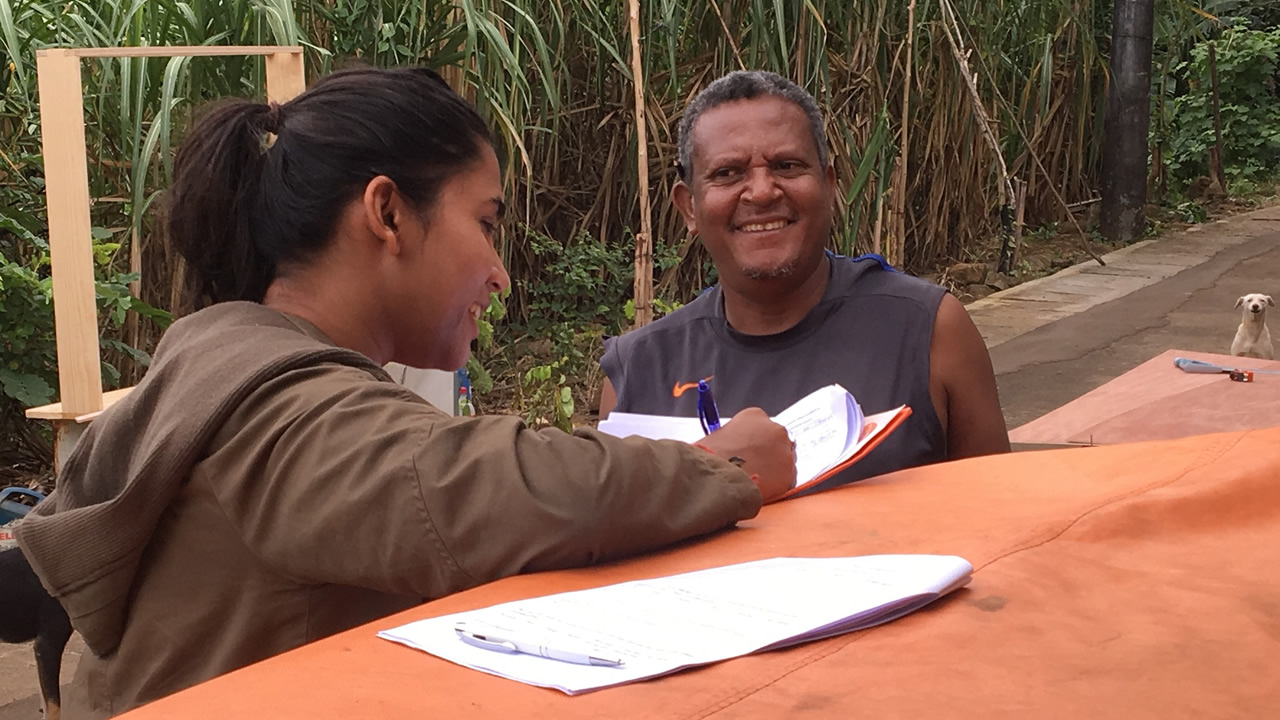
1158,401
1123,581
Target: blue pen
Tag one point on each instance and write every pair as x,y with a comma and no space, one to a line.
1204,366
707,413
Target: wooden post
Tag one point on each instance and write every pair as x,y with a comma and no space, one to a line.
75,309
644,238
286,78
70,230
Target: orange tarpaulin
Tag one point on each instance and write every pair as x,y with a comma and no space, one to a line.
1121,581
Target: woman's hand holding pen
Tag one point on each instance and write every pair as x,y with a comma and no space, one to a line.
759,446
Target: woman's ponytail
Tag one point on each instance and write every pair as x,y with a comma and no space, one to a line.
243,211
215,194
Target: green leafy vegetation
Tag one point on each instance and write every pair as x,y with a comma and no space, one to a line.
1248,65
554,79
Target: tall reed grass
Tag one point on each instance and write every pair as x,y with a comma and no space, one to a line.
554,77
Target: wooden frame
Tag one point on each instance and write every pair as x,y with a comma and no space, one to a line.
67,197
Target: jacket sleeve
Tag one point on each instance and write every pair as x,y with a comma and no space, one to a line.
335,477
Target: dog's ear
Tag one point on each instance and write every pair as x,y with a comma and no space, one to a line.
1270,302
1239,301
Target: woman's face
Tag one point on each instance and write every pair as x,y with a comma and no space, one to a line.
450,268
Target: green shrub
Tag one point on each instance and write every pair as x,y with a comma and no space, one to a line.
1248,101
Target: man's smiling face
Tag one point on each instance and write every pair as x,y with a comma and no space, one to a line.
757,193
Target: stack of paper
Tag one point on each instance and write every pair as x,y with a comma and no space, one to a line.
827,426
661,625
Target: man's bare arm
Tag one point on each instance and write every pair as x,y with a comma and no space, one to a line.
608,399
963,385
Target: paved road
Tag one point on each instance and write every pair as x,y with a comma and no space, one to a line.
19,697
1193,310
1042,363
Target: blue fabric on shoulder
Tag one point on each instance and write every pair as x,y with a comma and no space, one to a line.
884,264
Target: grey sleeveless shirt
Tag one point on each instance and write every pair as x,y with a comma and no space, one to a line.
871,333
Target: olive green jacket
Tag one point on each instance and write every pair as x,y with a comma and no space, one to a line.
262,488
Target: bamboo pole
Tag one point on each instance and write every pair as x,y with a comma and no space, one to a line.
456,75
801,33
1026,138
951,29
733,44
1020,193
877,246
644,238
897,240
131,325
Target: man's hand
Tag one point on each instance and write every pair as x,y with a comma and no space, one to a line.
761,447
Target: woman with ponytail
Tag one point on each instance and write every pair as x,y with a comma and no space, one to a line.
267,484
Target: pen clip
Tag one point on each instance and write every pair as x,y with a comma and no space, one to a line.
708,414
488,641
483,641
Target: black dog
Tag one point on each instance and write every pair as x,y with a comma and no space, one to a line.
27,612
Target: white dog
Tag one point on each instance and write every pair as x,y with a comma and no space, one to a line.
1252,338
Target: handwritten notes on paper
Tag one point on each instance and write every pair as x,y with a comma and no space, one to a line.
827,426
661,625
823,424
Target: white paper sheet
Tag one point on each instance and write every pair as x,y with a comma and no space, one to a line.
654,427
661,625
826,426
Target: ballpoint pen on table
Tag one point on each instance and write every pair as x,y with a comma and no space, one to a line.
1203,366
708,415
500,643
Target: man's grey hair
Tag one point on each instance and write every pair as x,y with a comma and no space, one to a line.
747,85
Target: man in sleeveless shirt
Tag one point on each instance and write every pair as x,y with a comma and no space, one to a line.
788,317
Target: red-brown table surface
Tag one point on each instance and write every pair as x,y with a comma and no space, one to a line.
1158,401
1134,580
